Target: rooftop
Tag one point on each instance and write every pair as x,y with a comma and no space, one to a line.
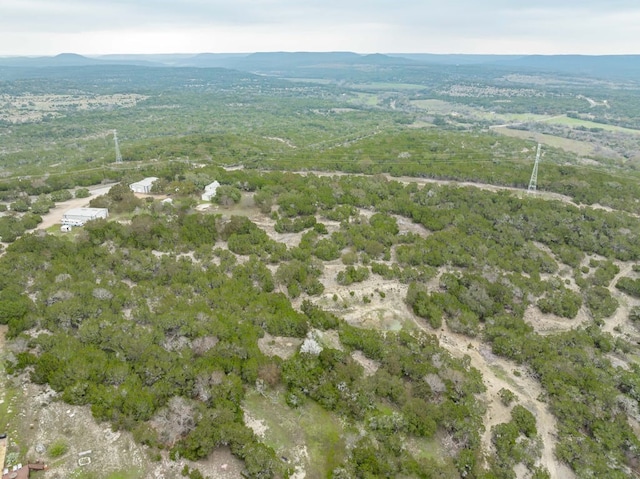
146,182
85,211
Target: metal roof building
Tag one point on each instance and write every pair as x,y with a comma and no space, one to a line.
143,186
79,216
210,191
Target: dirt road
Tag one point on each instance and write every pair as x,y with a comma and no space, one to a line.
619,325
54,216
498,373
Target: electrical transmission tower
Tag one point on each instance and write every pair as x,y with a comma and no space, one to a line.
533,182
118,154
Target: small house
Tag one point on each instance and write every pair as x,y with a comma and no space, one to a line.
79,216
143,186
210,191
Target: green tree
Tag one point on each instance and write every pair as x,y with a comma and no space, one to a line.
227,195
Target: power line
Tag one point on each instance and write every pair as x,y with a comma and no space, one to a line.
118,154
533,182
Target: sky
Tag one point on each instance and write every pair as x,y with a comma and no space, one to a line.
91,27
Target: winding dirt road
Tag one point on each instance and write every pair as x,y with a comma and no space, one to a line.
498,373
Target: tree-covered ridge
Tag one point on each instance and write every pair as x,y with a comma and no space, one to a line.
154,318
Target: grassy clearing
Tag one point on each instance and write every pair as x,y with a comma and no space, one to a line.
500,373
366,99
576,122
421,124
422,448
442,107
319,81
387,86
512,117
309,435
574,146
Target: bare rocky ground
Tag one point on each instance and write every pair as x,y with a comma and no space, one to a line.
94,449
44,420
31,108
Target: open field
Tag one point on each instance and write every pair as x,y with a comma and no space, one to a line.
442,107
367,99
446,108
383,86
310,439
573,146
577,122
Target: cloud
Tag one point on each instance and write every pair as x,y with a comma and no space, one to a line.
494,26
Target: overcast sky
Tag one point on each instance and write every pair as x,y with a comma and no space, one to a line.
48,27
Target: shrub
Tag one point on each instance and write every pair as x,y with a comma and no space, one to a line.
352,275
524,420
561,302
82,193
227,195
507,396
58,448
629,286
61,195
20,206
600,302
634,314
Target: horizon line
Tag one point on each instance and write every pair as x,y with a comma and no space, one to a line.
89,55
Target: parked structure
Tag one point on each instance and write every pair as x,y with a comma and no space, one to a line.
210,191
79,216
143,186
22,472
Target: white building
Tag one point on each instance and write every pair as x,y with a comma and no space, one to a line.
210,191
79,216
143,186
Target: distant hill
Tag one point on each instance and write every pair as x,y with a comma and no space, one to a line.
455,59
300,64
278,61
62,60
349,63
75,60
208,60
605,66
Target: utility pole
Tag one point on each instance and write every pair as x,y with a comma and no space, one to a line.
533,182
118,154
